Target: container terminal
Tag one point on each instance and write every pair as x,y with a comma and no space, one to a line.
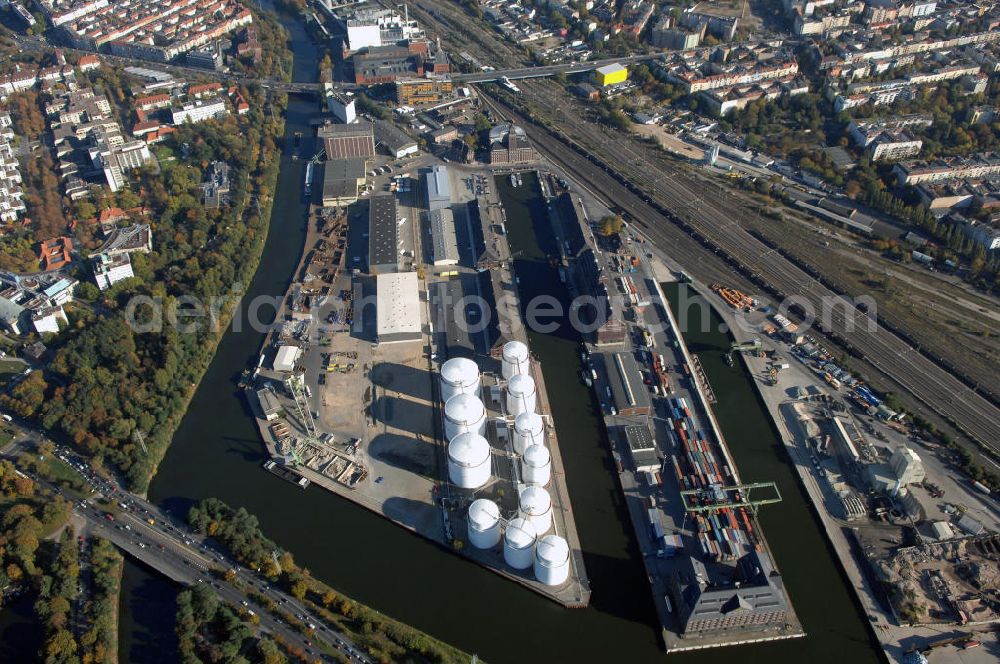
455,440
713,579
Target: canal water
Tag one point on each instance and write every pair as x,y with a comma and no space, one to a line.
146,616
217,452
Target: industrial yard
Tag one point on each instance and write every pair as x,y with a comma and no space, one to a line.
454,439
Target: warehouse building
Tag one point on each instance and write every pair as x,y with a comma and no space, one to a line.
438,188
383,235
753,600
397,307
623,384
394,141
342,178
642,448
611,74
342,141
443,238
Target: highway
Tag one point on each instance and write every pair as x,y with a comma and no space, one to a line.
177,552
693,221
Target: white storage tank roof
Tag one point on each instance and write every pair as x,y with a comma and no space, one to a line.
459,375
552,560
464,412
484,524
515,359
535,505
521,396
529,429
536,465
469,460
519,543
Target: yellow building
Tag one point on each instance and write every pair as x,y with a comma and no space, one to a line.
611,74
417,91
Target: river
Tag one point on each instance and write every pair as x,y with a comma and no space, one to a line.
217,452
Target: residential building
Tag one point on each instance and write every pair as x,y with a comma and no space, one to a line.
215,188
110,269
55,253
975,166
47,319
199,111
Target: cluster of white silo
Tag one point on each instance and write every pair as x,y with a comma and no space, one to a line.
524,543
469,464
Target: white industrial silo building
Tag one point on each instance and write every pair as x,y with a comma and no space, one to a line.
529,429
521,396
536,465
519,543
469,460
552,560
459,375
535,506
462,413
484,524
515,359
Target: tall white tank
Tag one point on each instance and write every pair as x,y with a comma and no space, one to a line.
521,395
519,543
529,429
462,413
459,375
536,465
535,505
515,359
552,560
484,524
469,460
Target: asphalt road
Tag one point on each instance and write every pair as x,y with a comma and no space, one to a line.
171,548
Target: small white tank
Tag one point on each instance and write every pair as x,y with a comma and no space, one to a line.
535,505
521,396
459,375
529,429
519,543
536,465
552,560
515,359
469,460
484,524
462,413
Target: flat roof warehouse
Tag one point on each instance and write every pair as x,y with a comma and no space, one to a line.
397,309
383,235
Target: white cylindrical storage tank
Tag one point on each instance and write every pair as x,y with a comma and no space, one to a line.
515,359
521,395
529,429
519,543
459,375
552,560
469,460
536,465
535,505
484,524
463,413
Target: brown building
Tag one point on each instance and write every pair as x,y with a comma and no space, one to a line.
509,145
343,141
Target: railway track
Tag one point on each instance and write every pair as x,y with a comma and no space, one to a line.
687,219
